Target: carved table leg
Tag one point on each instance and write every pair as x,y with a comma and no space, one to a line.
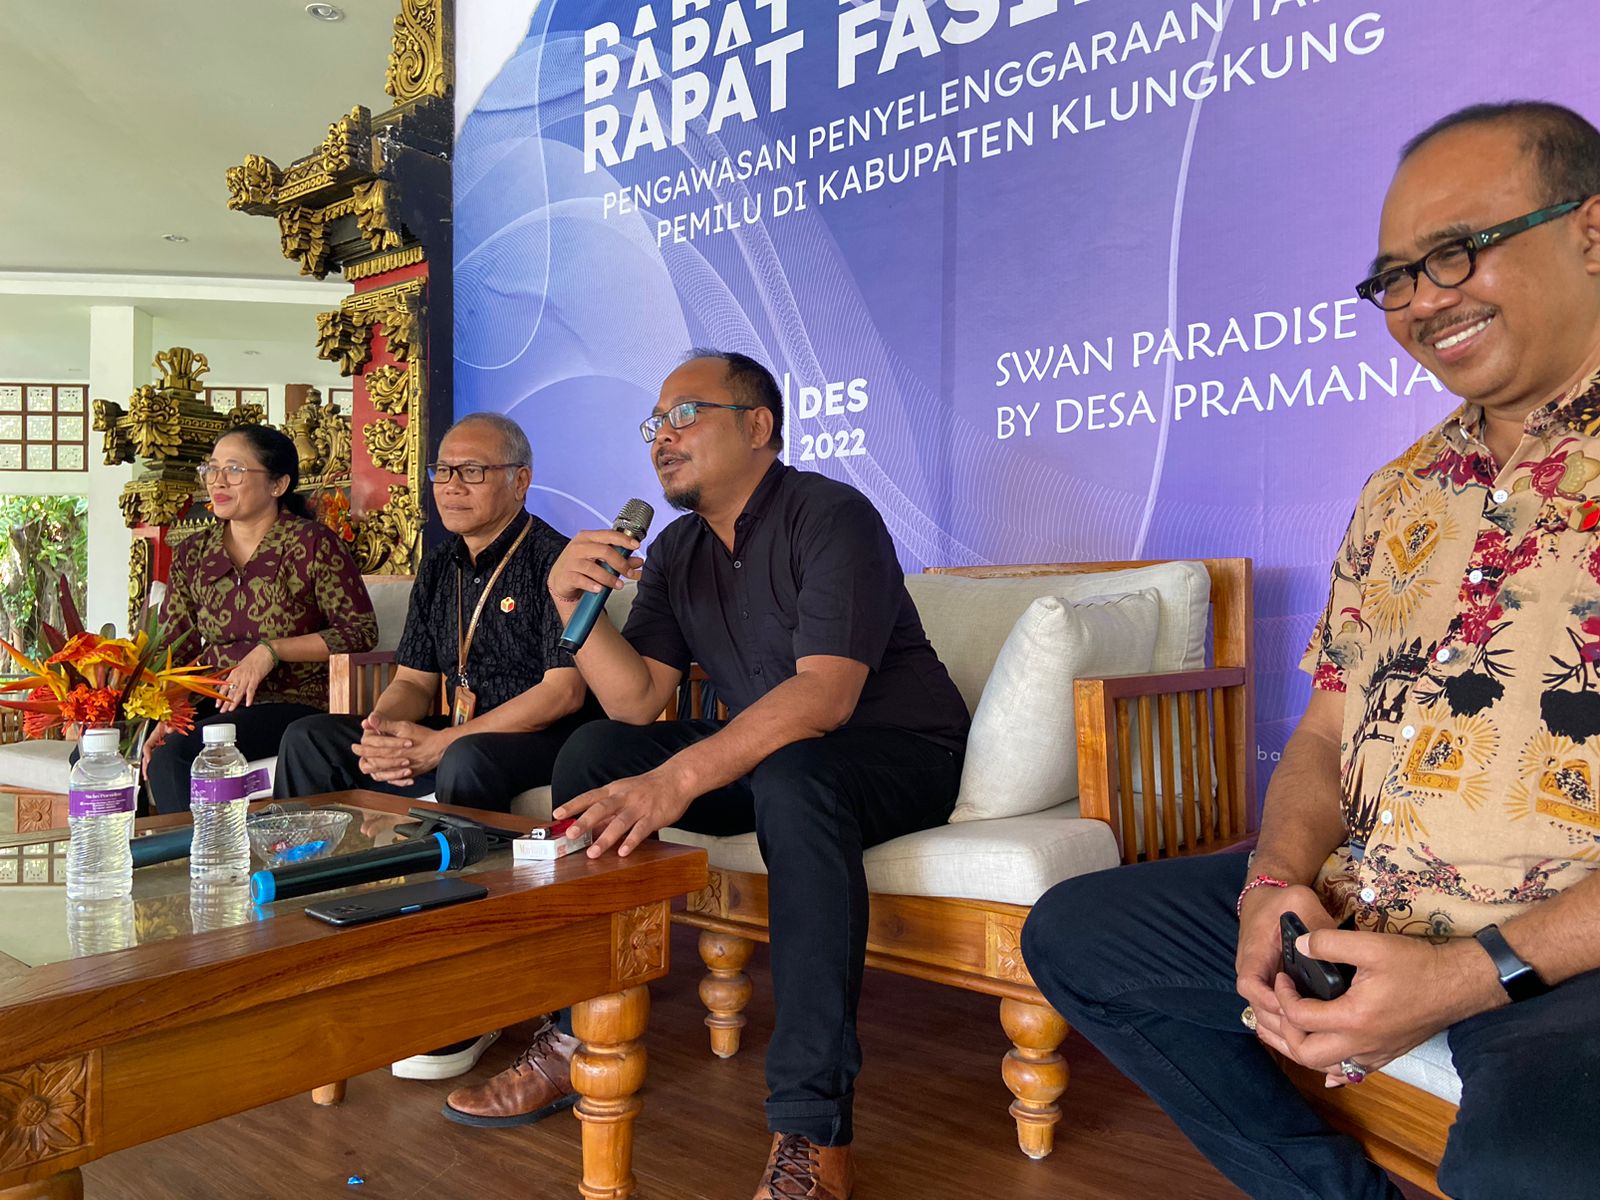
607,1070
1034,1071
68,1185
328,1093
726,990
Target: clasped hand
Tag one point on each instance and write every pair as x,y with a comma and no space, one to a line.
1405,990
626,811
398,751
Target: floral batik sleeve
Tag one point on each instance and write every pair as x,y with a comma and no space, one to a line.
342,598
1341,634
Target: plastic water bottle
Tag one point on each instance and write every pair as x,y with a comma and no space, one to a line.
220,850
100,803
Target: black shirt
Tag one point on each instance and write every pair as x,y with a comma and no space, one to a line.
812,571
512,649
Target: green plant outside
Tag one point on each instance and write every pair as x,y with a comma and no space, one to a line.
41,539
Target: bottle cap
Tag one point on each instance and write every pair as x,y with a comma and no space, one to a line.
217,735
100,740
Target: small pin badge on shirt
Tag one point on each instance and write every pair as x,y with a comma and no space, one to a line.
508,605
1585,516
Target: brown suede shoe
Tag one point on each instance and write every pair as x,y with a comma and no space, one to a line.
537,1084
799,1169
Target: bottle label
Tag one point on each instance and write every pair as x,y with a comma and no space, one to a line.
217,791
101,802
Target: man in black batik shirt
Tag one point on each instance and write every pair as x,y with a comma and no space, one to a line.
522,696
844,728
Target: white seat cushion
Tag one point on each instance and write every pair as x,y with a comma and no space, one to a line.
1022,753
1013,860
38,766
1429,1067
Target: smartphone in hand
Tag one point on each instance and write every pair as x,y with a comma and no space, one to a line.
1312,976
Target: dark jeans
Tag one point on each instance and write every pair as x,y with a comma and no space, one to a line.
1140,961
258,730
481,770
815,806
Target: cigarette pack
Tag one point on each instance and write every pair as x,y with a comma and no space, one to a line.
531,847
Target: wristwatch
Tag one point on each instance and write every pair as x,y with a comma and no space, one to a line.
1520,980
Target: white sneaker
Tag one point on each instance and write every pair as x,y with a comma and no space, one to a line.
447,1062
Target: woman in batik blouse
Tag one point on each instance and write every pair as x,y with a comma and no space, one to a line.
266,594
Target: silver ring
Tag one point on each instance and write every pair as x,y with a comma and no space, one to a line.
1248,1018
1354,1072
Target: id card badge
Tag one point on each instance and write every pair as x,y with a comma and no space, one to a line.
466,703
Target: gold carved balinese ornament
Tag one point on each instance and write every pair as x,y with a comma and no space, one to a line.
387,539
348,145
153,423
380,229
253,185
386,445
304,236
181,369
344,339
387,389
419,65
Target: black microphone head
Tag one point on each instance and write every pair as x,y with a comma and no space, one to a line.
467,846
634,519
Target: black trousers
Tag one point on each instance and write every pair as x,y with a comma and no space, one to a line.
815,806
481,770
258,730
1140,960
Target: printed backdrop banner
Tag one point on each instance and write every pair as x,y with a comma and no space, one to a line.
1048,280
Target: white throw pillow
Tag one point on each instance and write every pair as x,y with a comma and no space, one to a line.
1022,753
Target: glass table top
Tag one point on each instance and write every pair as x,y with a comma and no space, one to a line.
39,925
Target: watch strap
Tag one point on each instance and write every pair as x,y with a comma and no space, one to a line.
1519,979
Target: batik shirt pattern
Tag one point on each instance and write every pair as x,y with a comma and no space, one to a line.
1463,628
300,580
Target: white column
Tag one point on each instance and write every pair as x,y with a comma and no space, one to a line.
119,360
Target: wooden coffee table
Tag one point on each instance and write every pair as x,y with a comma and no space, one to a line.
108,1050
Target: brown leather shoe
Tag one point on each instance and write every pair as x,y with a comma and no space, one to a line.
537,1084
799,1169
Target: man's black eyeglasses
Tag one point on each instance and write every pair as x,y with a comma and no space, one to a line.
466,472
1452,263
683,414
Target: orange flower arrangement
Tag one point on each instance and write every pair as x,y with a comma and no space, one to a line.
96,680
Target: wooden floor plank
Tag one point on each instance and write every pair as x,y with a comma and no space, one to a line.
931,1122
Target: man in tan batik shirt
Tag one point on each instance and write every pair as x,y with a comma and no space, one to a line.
1434,820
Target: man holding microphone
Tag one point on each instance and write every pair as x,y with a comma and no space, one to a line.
845,729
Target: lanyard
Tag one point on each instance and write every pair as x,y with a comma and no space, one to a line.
464,643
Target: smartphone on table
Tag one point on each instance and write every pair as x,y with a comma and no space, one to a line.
1312,976
395,901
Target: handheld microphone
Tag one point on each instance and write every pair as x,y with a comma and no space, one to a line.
634,519
448,850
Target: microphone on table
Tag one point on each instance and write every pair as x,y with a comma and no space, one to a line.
447,850
634,519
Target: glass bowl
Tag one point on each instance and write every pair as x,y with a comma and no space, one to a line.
294,837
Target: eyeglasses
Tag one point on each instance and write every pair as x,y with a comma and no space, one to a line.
227,473
466,472
683,414
1451,264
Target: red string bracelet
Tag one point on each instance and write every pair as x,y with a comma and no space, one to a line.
1258,881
